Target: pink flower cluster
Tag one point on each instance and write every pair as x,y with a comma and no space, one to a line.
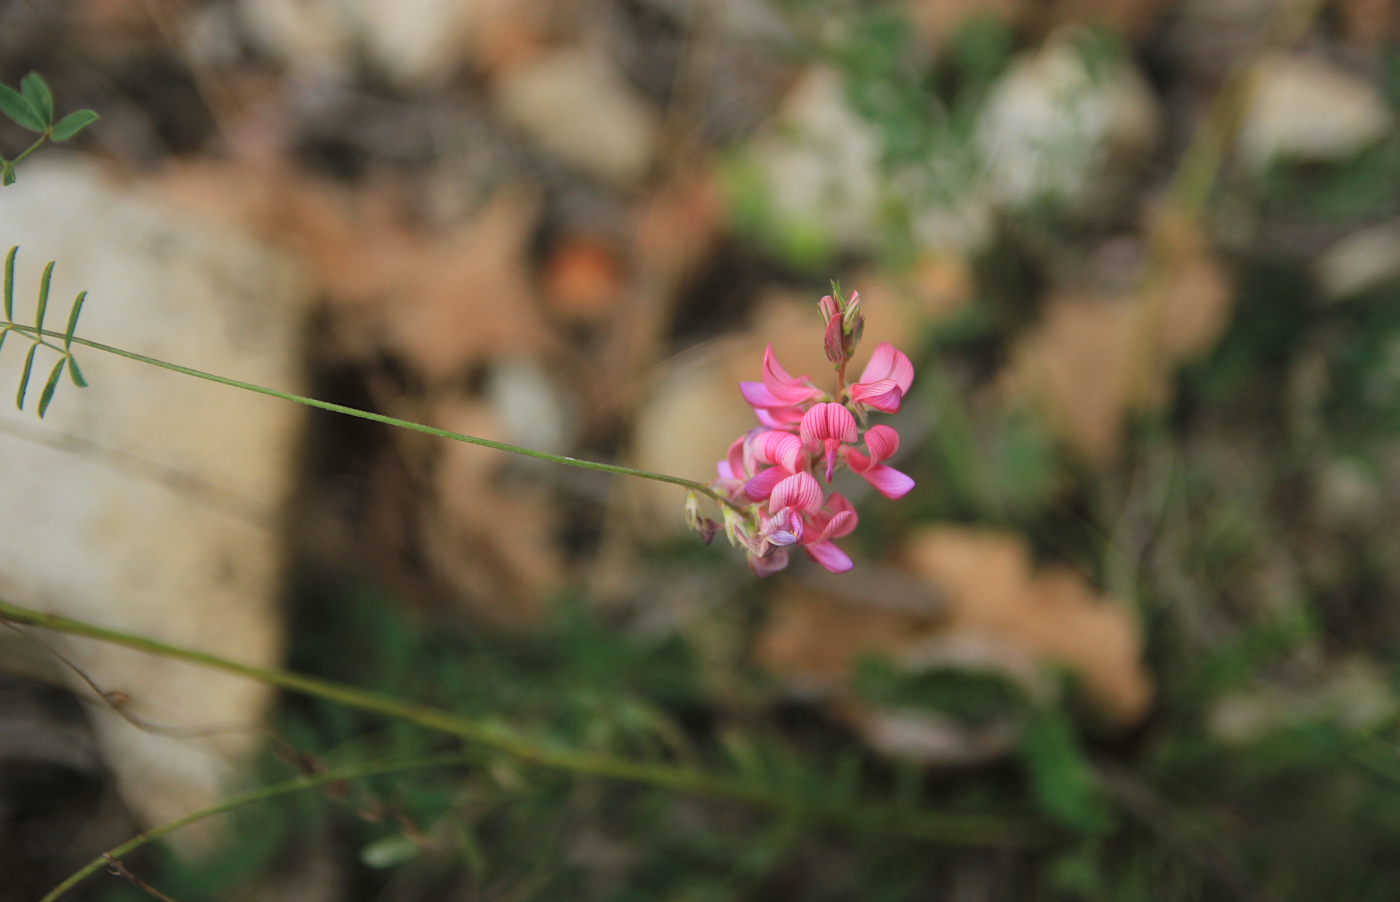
770,475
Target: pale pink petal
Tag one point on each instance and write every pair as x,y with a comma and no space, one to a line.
829,556
725,470
888,481
761,486
882,441
781,448
782,386
882,394
758,396
784,418
800,490
889,363
766,566
735,459
829,421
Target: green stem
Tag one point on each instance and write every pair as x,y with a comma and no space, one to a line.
31,148
955,829
391,421
252,796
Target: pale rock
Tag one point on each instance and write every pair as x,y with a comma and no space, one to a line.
530,408
148,501
1301,108
410,41
817,164
577,104
1053,129
1359,262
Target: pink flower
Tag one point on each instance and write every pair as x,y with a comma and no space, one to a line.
838,519
882,442
885,379
778,389
784,454
829,426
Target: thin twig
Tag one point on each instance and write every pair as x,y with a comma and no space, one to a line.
120,870
937,827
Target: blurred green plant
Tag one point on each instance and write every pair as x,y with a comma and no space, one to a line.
31,108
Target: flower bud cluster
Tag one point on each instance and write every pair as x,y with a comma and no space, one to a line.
771,473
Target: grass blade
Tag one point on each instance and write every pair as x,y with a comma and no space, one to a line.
73,319
43,296
34,89
24,379
76,374
50,387
10,284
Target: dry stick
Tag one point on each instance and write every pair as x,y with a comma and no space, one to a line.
955,829
262,793
381,418
117,869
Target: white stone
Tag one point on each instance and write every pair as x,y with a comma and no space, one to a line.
818,163
577,105
1054,130
148,501
1360,261
1304,109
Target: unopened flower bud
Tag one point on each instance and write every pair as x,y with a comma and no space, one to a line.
692,510
829,308
853,321
834,342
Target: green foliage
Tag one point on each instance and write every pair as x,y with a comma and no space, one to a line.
965,695
38,337
31,108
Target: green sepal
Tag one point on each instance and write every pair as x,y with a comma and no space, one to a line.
73,123
7,172
73,319
50,387
74,373
43,301
34,89
10,284
24,377
14,105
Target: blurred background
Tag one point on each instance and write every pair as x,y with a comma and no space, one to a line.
1145,255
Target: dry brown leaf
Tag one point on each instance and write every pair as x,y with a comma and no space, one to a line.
936,20
495,544
583,278
1096,357
1001,615
445,302
1050,612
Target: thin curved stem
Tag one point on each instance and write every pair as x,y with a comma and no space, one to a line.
31,148
253,796
954,829
390,421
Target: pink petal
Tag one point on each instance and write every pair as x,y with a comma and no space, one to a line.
837,503
725,470
882,394
828,421
888,481
781,448
757,395
843,524
767,566
829,556
735,459
857,461
784,418
889,363
882,441
782,386
761,486
800,490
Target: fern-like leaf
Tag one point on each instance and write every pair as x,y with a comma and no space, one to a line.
50,386
24,377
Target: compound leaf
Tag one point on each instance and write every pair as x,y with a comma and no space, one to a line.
76,374
43,300
73,123
50,387
14,105
24,378
34,89
10,284
73,319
